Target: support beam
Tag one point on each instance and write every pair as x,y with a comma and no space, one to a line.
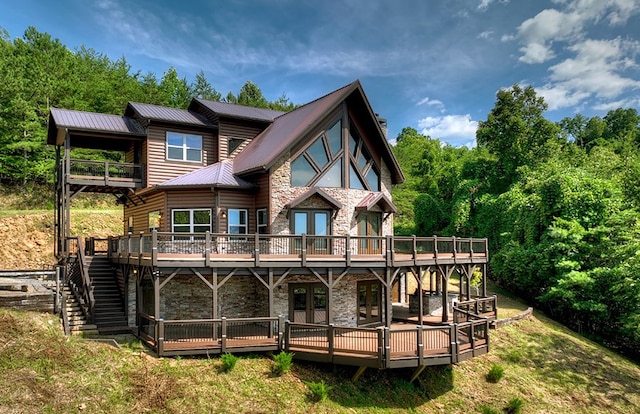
358,373
417,373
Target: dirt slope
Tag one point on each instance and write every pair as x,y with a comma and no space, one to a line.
26,239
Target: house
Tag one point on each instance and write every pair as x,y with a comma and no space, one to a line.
252,229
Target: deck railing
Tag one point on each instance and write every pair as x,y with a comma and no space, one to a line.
303,247
77,277
105,170
477,307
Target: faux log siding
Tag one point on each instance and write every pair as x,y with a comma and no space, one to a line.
191,199
159,169
235,129
141,212
239,200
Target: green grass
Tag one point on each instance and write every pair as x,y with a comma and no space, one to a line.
556,371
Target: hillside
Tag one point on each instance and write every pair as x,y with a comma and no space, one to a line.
26,240
548,368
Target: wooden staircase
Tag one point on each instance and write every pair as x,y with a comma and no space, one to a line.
110,316
77,322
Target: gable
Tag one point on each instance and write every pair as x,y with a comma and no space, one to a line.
294,129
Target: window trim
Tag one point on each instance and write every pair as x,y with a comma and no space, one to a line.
246,225
184,147
191,215
264,225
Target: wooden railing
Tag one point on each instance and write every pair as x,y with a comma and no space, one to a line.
78,277
301,248
105,170
477,307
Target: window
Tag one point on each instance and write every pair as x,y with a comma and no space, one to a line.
237,221
321,163
154,220
325,163
191,220
263,220
233,144
184,147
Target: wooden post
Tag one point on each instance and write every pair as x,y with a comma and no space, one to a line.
271,293
303,250
388,301
331,340
256,250
207,248
160,336
330,295
420,343
445,293
387,347
420,296
223,340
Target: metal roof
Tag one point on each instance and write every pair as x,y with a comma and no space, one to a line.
215,175
240,111
163,113
379,199
65,118
285,130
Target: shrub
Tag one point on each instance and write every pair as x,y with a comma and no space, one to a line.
318,391
495,373
228,361
484,409
514,406
282,363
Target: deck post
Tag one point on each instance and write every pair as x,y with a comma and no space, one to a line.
256,250
388,251
347,250
207,248
140,248
280,331
330,338
223,340
420,343
381,362
453,337
287,334
387,347
303,250
160,337
420,296
154,248
445,293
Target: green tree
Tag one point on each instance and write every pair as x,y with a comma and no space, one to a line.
202,88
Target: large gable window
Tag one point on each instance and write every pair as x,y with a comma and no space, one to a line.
321,163
184,147
325,163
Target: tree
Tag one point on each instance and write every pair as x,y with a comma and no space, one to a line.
516,131
175,91
251,95
202,88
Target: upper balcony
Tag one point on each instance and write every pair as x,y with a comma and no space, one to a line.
105,173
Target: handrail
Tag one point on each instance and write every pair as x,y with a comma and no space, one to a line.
107,170
302,247
79,280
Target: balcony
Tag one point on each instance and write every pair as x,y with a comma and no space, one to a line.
264,250
105,173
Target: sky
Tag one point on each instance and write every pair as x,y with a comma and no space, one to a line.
432,65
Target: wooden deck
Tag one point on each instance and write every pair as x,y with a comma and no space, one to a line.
264,251
403,345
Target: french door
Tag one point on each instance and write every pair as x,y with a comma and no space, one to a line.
369,224
308,303
369,301
312,223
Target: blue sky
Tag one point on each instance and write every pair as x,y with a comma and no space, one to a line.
432,65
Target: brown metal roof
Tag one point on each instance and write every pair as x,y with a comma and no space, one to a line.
379,199
165,114
286,130
216,175
90,121
239,111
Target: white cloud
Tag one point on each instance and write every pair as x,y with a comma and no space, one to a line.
484,4
454,129
622,103
432,102
487,34
558,96
539,33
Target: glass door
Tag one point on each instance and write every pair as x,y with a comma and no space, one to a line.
312,223
369,227
308,303
369,300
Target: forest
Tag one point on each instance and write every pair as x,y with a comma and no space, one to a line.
557,200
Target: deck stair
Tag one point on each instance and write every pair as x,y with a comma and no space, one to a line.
110,316
77,322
